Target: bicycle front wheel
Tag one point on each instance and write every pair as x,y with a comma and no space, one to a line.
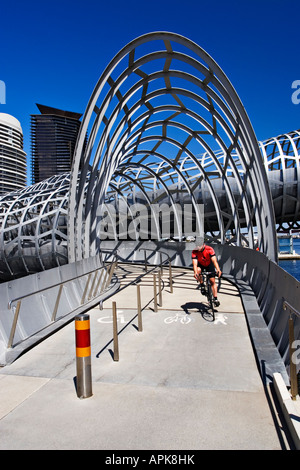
210,298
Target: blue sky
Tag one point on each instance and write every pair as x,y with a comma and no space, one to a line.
53,52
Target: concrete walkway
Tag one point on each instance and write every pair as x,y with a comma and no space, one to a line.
183,382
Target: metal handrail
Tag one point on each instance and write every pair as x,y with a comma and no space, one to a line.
287,305
60,285
160,252
53,285
161,263
112,263
135,281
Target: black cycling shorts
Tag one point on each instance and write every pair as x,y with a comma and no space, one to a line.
210,268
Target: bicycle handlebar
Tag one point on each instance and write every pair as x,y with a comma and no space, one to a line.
209,272
212,272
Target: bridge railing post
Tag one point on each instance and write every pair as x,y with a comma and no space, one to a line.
115,331
170,277
139,308
159,289
57,303
155,292
14,325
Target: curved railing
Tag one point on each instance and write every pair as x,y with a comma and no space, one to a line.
265,289
35,306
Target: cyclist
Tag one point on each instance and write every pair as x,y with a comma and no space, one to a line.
204,259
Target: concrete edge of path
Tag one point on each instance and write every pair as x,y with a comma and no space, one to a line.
289,407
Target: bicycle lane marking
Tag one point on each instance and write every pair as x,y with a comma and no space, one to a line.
220,318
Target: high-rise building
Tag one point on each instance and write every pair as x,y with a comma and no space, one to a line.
13,166
53,138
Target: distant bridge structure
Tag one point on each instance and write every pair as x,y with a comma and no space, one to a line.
164,126
281,156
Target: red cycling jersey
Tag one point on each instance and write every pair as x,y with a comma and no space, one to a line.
204,257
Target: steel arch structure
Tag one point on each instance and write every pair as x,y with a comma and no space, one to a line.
178,100
164,125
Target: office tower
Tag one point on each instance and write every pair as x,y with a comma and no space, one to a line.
13,164
53,138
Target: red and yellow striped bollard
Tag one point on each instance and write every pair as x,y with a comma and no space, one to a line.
83,356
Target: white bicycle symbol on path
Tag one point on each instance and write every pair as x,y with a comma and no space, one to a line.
184,319
179,317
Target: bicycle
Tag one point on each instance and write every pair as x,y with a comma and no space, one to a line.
208,291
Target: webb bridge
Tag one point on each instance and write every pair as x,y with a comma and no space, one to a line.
164,129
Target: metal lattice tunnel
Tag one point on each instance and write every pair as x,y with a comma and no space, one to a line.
164,123
159,106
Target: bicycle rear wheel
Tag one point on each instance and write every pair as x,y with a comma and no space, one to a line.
210,298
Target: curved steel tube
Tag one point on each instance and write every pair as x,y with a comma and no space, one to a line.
128,89
163,119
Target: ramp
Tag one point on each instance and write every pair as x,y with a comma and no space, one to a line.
178,384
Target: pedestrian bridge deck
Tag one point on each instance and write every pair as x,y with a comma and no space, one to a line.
183,382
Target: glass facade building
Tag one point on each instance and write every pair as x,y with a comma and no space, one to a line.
53,138
13,166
